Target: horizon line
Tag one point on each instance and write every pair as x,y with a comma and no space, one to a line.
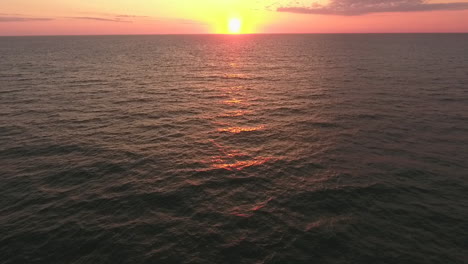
218,34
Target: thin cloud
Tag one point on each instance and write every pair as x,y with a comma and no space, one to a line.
102,19
131,16
362,7
4,19
111,16
108,17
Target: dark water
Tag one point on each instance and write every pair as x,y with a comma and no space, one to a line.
234,149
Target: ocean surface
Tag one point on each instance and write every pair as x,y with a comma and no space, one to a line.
234,149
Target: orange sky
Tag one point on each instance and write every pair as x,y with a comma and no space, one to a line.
89,17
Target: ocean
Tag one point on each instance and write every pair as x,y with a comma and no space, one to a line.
339,148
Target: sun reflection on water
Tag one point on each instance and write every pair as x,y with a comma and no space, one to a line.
232,120
237,130
221,163
235,160
233,101
248,210
235,113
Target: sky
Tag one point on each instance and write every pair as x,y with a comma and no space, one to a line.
109,17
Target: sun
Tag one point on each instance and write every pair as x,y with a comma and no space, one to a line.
235,26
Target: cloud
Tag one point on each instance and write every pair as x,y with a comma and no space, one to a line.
108,17
26,18
131,16
361,7
117,19
9,18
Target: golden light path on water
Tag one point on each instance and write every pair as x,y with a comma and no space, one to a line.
237,106
231,158
234,159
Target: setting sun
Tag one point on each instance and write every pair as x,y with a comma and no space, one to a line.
235,26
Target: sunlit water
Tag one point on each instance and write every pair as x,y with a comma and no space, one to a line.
234,149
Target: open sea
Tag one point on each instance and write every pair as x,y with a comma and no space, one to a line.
234,149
